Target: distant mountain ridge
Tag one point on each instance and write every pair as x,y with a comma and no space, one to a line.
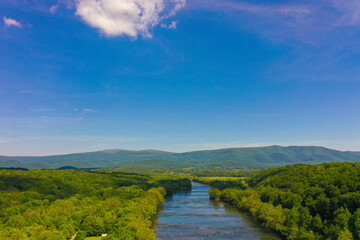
255,157
356,153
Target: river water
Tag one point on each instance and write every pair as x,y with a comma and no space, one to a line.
191,215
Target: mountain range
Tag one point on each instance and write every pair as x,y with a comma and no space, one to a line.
255,157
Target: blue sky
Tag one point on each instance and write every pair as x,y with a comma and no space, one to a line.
178,75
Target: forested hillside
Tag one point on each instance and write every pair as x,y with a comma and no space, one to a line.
301,201
56,205
231,158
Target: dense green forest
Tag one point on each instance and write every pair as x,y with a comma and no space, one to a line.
54,205
230,158
302,202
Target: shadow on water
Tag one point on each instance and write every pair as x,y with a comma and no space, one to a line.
191,215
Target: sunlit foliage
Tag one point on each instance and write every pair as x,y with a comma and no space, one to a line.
301,201
57,204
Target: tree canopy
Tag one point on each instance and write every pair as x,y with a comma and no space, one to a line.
50,204
301,201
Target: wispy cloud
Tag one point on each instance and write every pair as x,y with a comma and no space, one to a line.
85,110
264,10
130,17
172,25
261,9
350,11
88,110
53,9
307,21
324,33
279,21
10,22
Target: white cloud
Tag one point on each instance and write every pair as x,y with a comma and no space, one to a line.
178,4
126,17
12,22
172,25
53,9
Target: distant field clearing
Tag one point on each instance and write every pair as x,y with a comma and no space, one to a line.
220,178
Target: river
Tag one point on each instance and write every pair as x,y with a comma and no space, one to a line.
191,215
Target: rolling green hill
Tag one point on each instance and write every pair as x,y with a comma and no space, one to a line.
259,157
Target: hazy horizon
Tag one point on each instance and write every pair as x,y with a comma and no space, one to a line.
171,151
